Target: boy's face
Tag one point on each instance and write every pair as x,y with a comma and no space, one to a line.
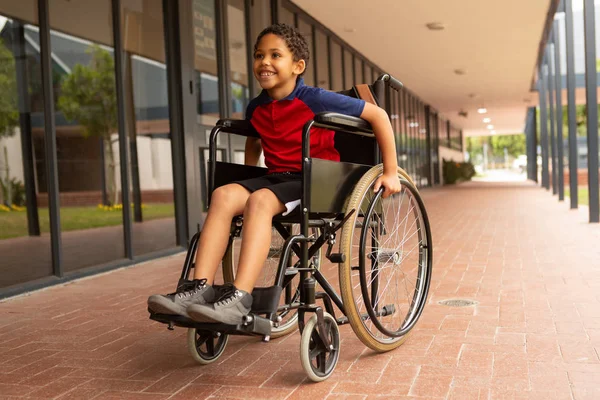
274,65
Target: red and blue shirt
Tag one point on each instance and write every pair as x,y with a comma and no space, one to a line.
279,124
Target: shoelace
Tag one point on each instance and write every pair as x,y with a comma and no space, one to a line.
229,293
189,288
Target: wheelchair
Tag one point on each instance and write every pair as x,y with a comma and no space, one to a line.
384,257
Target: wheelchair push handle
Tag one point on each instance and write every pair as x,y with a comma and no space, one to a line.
393,82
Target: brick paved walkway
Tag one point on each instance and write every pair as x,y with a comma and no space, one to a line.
532,265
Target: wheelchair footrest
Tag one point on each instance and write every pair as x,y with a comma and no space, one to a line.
252,325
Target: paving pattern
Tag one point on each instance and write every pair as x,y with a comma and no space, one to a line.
531,264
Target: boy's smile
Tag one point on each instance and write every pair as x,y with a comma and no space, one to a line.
274,66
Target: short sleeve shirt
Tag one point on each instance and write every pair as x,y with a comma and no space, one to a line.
279,124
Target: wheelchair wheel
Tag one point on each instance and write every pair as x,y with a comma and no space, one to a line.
317,362
385,278
290,292
206,347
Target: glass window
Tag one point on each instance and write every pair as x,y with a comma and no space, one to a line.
149,135
86,133
205,62
337,82
286,16
238,60
368,74
322,59
24,217
358,71
306,30
260,13
348,69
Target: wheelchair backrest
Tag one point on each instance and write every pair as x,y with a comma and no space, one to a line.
353,148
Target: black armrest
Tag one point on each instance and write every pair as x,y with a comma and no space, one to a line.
237,127
344,123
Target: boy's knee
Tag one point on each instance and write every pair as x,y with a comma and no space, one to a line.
225,196
263,200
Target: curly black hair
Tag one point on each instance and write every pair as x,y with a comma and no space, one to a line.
293,39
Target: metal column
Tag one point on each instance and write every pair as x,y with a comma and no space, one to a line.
50,137
531,143
571,103
33,220
552,120
544,127
121,118
591,97
559,114
175,93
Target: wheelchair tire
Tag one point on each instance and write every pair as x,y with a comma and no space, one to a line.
267,278
382,318
206,347
319,364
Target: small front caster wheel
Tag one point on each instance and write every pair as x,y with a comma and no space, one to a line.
317,361
206,347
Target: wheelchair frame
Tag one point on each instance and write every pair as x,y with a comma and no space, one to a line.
304,246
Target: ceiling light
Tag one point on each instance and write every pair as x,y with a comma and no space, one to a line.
490,126
350,30
435,26
460,71
487,120
482,110
493,132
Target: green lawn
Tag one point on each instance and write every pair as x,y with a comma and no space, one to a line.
14,223
582,195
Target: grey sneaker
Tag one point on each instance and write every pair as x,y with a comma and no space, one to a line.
194,292
230,308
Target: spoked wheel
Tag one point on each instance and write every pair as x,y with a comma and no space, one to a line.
290,292
206,347
385,278
317,361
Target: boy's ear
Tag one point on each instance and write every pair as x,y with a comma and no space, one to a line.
299,67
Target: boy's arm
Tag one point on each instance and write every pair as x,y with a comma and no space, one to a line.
253,151
382,128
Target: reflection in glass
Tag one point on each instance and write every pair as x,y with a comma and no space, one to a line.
337,79
148,130
306,31
348,69
238,63
205,61
322,59
24,221
368,74
86,135
260,14
358,71
287,17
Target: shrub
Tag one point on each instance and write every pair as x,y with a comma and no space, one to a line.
457,171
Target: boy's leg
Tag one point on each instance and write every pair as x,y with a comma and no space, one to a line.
260,209
227,202
258,215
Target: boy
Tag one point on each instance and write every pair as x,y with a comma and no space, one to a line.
278,115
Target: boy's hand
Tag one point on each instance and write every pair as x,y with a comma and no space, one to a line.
390,182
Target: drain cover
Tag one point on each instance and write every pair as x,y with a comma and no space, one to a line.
457,302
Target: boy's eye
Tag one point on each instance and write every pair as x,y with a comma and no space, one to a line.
276,55
258,56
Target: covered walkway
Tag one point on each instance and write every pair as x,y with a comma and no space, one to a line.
531,264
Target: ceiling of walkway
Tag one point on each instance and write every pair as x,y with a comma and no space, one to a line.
495,44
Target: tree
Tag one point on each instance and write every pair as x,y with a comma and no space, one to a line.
514,144
88,96
9,114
